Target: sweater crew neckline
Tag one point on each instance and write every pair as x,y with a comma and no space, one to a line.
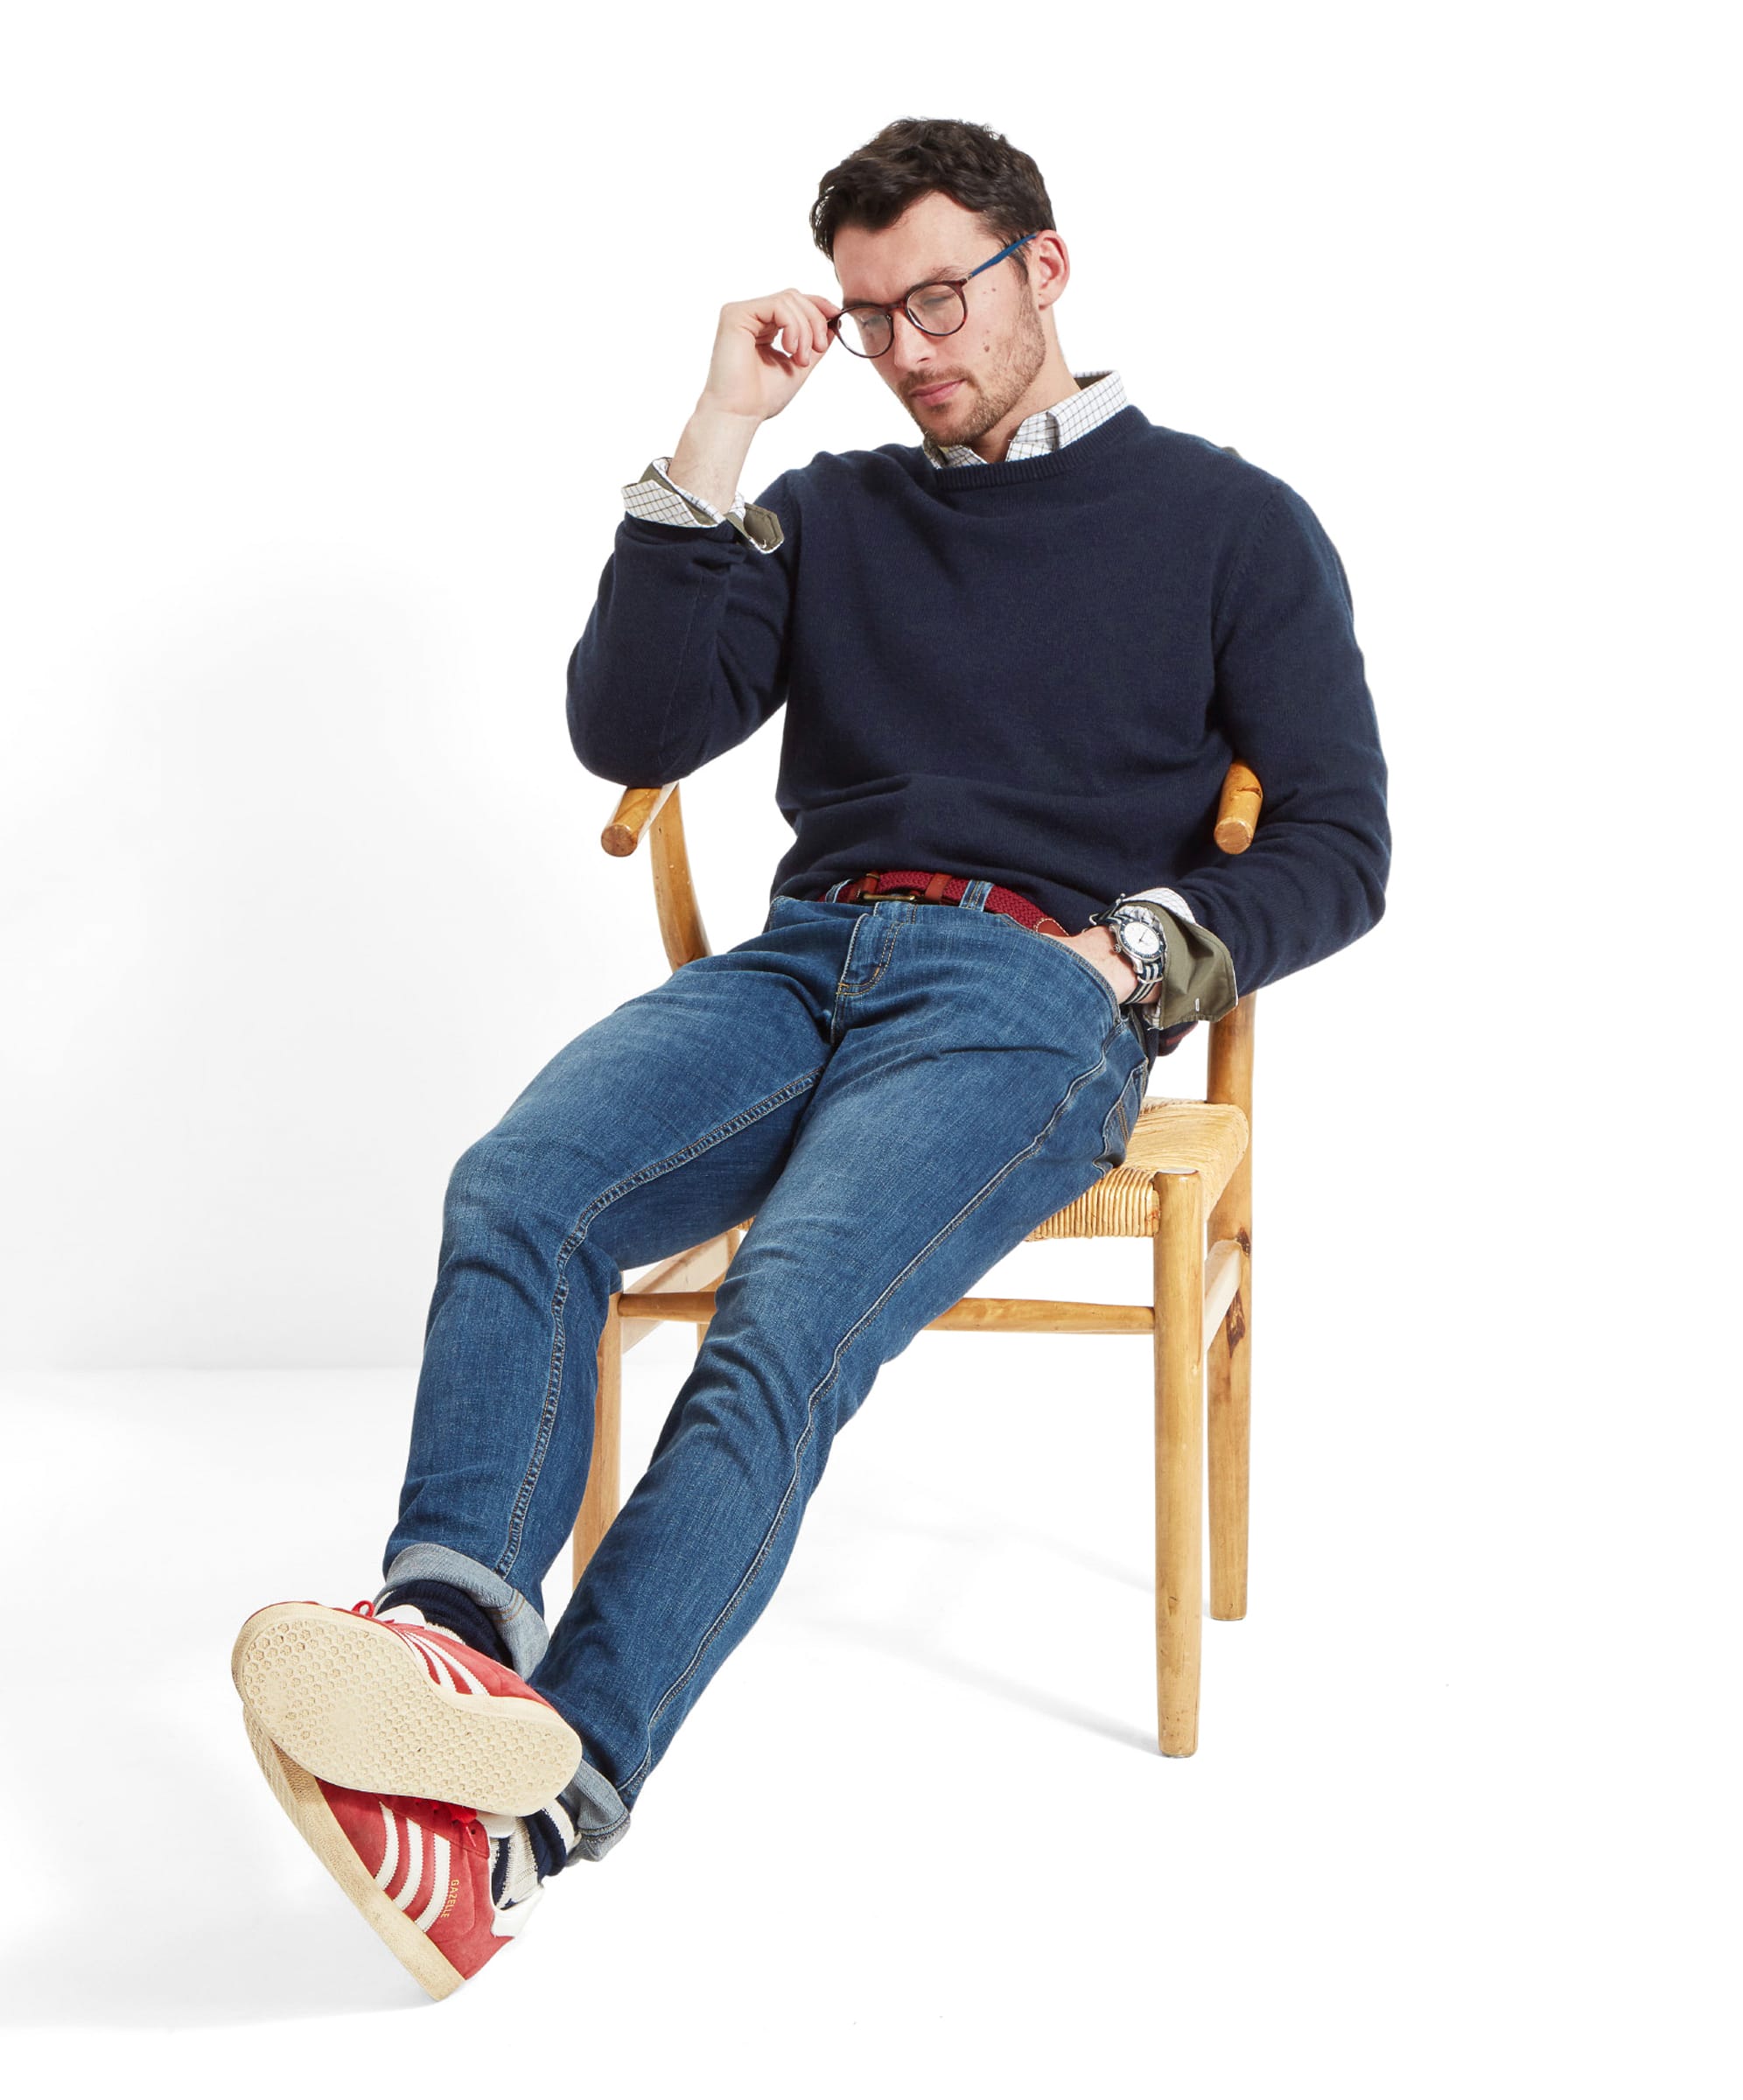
1090,450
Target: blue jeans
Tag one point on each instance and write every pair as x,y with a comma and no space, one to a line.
898,1092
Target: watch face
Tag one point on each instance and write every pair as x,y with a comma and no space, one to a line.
1143,936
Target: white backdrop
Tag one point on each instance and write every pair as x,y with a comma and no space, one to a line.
341,335
335,333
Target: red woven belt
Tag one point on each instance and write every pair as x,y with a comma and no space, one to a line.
928,887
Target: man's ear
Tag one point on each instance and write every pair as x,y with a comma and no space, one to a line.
1061,259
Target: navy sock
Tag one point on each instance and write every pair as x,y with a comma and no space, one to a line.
447,1605
549,1856
547,1845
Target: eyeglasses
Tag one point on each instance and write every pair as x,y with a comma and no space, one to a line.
939,308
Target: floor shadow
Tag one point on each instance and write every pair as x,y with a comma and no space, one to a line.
903,1643
231,1965
195,1901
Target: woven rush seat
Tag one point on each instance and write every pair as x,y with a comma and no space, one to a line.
1170,1136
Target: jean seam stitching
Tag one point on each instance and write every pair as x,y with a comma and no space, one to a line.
1127,1121
843,990
775,1522
578,1233
846,969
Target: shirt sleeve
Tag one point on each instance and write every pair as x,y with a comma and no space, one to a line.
660,500
1172,899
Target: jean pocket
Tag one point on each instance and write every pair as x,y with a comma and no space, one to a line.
1072,960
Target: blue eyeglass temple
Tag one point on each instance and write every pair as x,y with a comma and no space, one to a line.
1001,253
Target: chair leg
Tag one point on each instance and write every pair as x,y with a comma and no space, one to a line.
1230,1367
601,1502
1178,1276
734,1234
1230,1374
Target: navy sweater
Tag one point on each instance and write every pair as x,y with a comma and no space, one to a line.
1035,670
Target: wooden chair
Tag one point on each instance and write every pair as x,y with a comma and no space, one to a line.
1186,1185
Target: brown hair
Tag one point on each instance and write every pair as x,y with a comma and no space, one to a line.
976,166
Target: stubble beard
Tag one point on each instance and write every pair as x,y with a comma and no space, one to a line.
993,395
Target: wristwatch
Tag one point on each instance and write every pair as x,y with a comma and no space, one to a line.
1140,934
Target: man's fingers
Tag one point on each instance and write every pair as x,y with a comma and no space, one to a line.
785,332
808,334
792,326
800,326
814,329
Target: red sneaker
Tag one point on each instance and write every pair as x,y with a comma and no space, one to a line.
419,1871
393,1708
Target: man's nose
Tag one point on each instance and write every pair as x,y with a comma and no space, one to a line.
912,349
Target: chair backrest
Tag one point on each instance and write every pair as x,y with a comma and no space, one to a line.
1229,1069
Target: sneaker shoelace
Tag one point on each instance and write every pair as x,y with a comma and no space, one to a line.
462,1826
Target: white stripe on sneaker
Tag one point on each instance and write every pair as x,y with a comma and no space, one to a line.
449,1664
384,1872
434,1661
414,1864
438,1886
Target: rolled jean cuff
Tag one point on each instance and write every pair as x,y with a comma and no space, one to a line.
596,1809
524,1633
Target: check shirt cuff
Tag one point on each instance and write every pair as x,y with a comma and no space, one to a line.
659,499
1197,978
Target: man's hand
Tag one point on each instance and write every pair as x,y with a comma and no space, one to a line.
747,375
748,381
1098,946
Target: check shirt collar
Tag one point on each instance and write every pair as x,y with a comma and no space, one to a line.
1100,395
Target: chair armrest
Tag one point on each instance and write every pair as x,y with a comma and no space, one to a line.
1237,808
658,814
636,810
657,810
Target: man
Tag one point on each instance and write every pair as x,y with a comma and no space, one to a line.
1015,661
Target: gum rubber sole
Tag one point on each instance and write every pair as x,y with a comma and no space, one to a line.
302,1800
353,1704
